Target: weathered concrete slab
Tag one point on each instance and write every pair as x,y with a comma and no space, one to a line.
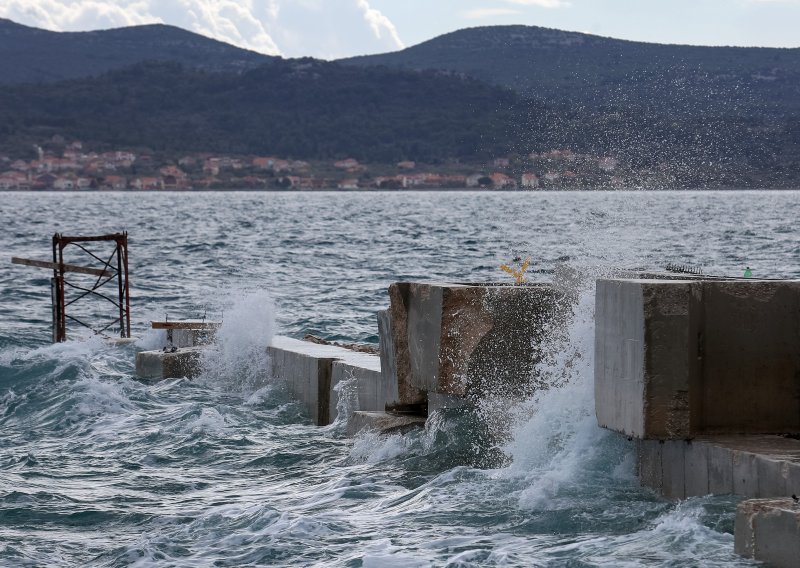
383,422
313,370
465,340
677,359
750,466
769,530
184,362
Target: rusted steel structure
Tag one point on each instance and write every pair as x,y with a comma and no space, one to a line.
114,269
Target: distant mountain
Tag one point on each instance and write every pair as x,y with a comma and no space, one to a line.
597,72
31,55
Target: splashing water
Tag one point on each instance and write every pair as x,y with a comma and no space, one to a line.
238,356
556,443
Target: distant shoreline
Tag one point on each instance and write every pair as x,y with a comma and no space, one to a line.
406,190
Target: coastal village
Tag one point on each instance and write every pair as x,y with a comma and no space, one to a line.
68,165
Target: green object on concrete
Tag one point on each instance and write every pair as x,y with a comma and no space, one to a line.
747,272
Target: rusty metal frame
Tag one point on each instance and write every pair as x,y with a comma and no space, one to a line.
114,267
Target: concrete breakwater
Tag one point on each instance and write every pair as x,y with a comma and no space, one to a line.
704,374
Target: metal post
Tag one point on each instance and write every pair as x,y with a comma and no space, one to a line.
119,286
127,290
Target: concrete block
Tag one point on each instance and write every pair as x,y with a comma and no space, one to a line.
772,474
313,370
187,333
793,478
649,464
768,530
469,339
745,474
364,379
696,469
642,354
750,466
720,470
383,422
751,359
190,337
674,469
680,359
184,362
387,353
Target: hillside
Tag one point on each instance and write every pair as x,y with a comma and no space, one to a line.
31,55
680,116
300,108
596,71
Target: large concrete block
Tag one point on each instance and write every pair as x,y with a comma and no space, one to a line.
677,359
168,364
768,530
467,340
312,372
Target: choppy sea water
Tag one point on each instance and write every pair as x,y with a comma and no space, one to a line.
99,469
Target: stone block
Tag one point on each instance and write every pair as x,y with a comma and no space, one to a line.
768,530
184,362
467,340
679,359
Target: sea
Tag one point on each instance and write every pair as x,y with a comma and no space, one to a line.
98,468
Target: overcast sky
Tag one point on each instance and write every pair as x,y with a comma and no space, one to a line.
338,28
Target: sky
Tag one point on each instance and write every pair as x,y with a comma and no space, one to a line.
331,29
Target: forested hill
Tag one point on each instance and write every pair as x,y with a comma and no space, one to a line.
699,116
301,108
596,71
32,55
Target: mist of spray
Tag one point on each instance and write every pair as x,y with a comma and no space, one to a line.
238,358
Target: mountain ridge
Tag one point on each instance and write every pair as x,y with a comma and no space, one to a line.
35,55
